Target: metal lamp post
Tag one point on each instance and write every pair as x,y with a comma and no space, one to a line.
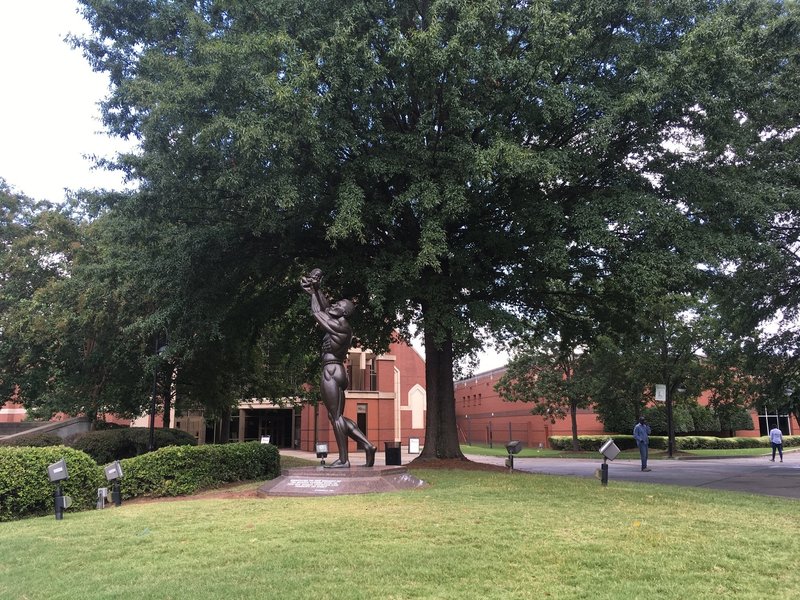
670,424
151,441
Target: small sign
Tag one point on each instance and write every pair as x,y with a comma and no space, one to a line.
265,439
413,445
661,392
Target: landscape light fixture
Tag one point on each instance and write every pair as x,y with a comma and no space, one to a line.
609,450
513,447
102,494
56,473
322,452
114,474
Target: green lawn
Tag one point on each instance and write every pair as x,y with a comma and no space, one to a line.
469,535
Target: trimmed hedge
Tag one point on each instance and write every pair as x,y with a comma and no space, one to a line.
179,470
34,439
593,442
108,445
659,442
175,470
25,489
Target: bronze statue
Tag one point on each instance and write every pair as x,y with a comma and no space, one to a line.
335,346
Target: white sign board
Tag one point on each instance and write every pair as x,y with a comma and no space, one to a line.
265,439
661,392
413,445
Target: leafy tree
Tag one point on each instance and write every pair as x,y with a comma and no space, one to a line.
622,388
552,377
460,166
773,383
663,344
64,346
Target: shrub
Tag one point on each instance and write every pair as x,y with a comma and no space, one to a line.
179,470
791,440
108,445
704,418
656,416
102,425
617,414
34,439
25,489
659,442
593,442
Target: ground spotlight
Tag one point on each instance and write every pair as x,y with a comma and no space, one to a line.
56,473
513,447
322,452
114,474
609,451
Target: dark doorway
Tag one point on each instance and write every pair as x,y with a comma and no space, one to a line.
361,421
276,423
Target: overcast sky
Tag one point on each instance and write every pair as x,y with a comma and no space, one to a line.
49,115
49,118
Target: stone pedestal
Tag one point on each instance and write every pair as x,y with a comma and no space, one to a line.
319,481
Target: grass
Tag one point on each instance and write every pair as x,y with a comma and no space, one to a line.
468,535
630,454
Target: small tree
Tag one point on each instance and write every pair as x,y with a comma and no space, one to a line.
552,377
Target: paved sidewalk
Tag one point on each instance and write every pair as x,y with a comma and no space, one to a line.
755,475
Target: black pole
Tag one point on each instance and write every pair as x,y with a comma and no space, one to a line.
116,494
670,424
316,430
59,500
510,462
604,472
151,441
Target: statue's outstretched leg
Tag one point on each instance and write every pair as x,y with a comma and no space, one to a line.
370,452
369,449
340,429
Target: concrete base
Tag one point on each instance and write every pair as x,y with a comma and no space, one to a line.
319,481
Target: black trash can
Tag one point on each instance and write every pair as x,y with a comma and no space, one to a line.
392,450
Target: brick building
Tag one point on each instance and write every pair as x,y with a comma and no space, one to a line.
484,418
386,399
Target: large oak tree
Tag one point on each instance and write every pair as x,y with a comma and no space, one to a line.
460,166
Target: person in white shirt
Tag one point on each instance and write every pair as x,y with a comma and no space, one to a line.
776,437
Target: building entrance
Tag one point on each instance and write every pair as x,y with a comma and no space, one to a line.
277,423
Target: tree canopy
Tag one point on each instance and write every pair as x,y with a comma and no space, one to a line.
459,166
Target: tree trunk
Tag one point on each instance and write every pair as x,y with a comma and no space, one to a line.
225,427
166,391
441,433
573,413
